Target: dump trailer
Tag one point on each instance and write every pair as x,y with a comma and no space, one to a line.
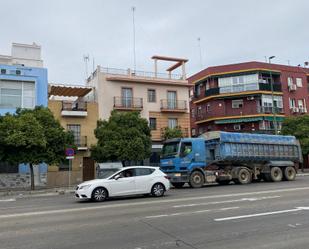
223,157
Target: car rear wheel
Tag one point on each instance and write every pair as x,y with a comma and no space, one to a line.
99,194
157,190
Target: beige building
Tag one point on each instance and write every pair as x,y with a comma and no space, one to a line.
69,106
163,99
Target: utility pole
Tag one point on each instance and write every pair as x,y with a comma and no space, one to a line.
200,52
134,52
272,97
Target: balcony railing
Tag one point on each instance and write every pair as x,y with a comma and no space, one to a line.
124,103
269,109
184,132
74,106
173,105
241,88
142,74
80,142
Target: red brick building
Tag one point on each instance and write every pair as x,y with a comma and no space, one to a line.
239,97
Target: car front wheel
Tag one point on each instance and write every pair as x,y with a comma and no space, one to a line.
99,194
157,190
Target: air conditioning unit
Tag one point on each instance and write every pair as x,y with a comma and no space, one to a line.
292,87
294,109
303,110
250,98
237,127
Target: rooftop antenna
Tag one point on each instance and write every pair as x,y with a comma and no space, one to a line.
265,58
289,62
200,52
86,59
134,52
93,64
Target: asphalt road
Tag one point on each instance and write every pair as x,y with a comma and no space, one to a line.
259,215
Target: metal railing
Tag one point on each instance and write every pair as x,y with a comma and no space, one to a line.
74,106
173,104
269,109
142,74
124,102
80,141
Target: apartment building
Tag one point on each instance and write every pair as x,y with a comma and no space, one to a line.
76,113
161,98
247,97
23,84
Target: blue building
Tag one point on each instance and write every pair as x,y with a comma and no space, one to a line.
24,87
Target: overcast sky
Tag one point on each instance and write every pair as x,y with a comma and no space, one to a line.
231,31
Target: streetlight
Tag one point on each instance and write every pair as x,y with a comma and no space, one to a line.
272,96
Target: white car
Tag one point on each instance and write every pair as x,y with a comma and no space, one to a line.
127,181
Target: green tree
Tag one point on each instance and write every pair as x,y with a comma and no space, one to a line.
169,133
125,136
33,137
298,127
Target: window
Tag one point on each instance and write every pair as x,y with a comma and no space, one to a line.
192,113
152,123
237,127
15,94
197,90
126,173
143,171
171,99
193,132
75,129
299,82
64,166
186,149
151,95
3,71
300,103
237,103
172,123
127,97
239,83
8,168
290,81
292,103
208,107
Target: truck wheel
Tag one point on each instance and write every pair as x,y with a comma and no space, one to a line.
276,174
196,179
244,176
178,184
289,174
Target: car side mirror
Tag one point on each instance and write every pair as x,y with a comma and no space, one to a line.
117,177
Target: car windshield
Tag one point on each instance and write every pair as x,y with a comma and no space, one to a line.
170,149
103,174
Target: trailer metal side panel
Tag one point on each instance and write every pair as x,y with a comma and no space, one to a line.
253,148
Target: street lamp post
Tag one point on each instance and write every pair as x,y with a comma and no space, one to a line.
272,97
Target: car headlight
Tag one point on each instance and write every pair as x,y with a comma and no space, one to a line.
85,186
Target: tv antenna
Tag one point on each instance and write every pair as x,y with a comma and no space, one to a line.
86,60
200,52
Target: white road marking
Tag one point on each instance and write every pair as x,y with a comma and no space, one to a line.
188,213
8,200
227,201
263,214
148,203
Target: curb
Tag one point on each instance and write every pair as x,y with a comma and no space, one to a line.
26,194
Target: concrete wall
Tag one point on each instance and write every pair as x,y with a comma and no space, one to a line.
21,181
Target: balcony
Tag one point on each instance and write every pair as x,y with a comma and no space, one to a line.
81,143
128,104
74,108
241,89
184,131
269,109
173,105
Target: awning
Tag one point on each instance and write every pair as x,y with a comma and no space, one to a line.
238,120
68,90
278,119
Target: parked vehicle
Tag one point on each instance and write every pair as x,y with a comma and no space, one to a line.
226,156
127,181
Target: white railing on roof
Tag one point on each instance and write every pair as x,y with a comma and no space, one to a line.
142,74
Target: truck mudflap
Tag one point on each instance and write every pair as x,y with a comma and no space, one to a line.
178,177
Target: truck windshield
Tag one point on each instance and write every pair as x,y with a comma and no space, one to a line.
170,149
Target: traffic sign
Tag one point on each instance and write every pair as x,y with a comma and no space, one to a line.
69,152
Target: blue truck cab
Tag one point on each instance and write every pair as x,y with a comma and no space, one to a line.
227,156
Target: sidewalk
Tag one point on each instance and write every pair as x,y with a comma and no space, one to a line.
36,193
